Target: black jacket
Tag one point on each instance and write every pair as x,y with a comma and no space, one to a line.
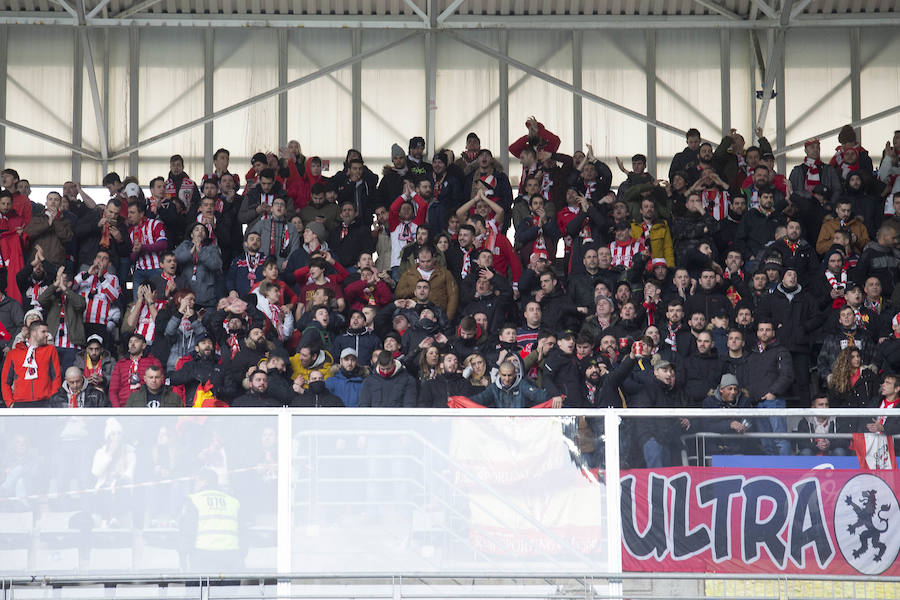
559,312
198,371
435,392
397,390
254,400
689,231
562,376
89,235
698,374
348,250
739,367
664,429
756,230
311,399
796,316
772,371
802,258
877,261
709,302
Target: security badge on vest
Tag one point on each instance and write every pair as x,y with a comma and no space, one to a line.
217,525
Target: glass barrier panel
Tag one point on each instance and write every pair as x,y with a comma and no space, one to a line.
93,494
444,494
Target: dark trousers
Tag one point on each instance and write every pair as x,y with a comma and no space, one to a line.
800,388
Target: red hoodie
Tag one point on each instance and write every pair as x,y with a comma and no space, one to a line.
504,255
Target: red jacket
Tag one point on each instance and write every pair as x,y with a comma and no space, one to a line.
355,297
17,389
549,142
504,255
119,387
418,203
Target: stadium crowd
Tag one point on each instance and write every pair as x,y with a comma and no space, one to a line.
725,284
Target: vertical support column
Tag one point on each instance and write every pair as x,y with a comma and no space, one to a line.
613,495
430,91
284,508
577,101
4,36
134,79
725,77
753,66
282,80
780,127
209,69
855,108
503,95
650,71
356,89
77,99
106,92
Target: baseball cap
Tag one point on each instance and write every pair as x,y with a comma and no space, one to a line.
94,338
133,190
348,352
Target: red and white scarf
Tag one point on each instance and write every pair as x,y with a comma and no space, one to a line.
30,364
833,281
715,202
812,173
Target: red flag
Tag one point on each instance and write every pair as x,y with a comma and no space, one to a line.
858,445
463,402
11,251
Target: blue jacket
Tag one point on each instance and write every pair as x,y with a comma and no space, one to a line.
520,395
346,387
364,343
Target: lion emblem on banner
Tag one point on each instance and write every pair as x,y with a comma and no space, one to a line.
865,521
866,514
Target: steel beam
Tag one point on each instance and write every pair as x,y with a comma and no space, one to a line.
709,4
92,79
96,10
105,88
566,86
650,73
134,101
765,9
341,64
503,97
209,71
49,138
67,7
459,22
356,88
4,49
780,112
77,103
856,124
282,79
725,77
855,84
577,101
135,9
415,8
799,7
449,10
430,91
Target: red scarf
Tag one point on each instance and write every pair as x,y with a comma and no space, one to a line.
650,307
812,174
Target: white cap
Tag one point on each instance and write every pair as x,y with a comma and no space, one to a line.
133,190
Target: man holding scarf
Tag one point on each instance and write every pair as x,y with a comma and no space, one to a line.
31,373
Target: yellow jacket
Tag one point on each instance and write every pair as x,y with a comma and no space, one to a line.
660,240
322,364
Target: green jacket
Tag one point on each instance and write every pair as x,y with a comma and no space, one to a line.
75,304
168,398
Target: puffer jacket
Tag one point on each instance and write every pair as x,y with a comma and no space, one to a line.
660,240
521,394
322,363
394,391
88,397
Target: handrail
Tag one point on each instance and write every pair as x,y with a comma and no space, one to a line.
62,580
451,412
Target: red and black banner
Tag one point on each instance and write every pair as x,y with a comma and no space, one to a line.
714,520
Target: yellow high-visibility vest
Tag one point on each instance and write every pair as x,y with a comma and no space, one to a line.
217,526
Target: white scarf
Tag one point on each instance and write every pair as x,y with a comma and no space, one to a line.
30,364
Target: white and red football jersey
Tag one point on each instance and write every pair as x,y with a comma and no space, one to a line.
148,232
